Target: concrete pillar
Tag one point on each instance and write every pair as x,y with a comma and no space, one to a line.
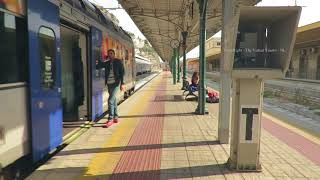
246,124
312,66
295,63
229,33
318,67
178,64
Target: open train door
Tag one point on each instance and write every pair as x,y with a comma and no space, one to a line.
44,76
97,73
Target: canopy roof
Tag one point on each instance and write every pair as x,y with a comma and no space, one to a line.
308,35
162,21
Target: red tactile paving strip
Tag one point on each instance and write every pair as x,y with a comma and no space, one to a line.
142,157
303,145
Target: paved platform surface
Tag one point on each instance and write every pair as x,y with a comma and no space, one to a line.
159,137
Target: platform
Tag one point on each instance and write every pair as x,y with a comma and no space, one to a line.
159,137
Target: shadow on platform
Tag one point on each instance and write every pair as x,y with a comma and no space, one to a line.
158,115
170,173
135,148
172,98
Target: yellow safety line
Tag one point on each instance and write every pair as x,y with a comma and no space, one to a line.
293,128
103,164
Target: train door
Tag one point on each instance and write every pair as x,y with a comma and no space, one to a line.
97,75
44,77
14,105
74,76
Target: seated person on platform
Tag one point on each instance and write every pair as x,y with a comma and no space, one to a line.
193,87
194,81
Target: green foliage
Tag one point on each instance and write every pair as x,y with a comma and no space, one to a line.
268,94
147,48
131,35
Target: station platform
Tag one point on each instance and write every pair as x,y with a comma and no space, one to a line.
159,137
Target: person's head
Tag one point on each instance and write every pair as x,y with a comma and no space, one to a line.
195,78
195,74
111,54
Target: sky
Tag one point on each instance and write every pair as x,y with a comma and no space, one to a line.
310,14
125,21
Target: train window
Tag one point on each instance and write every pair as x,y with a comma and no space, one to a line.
47,45
13,51
87,3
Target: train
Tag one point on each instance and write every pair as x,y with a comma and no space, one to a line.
48,71
143,65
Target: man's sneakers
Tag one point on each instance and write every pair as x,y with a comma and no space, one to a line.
110,122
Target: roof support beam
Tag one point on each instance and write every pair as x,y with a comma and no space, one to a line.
159,34
156,17
134,11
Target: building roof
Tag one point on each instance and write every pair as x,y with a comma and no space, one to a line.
308,35
309,27
192,59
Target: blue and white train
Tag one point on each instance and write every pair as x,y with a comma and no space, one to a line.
48,72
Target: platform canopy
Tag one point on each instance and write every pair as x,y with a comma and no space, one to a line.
162,21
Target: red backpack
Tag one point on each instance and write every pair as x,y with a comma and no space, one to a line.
213,97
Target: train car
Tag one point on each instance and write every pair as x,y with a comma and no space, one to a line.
48,71
142,65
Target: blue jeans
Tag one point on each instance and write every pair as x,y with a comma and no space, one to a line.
112,101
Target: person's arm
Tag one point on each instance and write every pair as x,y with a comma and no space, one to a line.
122,87
99,64
121,72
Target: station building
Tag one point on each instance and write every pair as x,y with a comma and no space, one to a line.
305,63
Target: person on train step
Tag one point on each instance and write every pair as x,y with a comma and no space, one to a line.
114,80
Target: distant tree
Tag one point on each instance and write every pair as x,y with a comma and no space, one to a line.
132,35
114,18
147,48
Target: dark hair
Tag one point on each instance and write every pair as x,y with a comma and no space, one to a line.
195,74
111,51
195,78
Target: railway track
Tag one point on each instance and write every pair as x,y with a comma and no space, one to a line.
302,80
300,90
